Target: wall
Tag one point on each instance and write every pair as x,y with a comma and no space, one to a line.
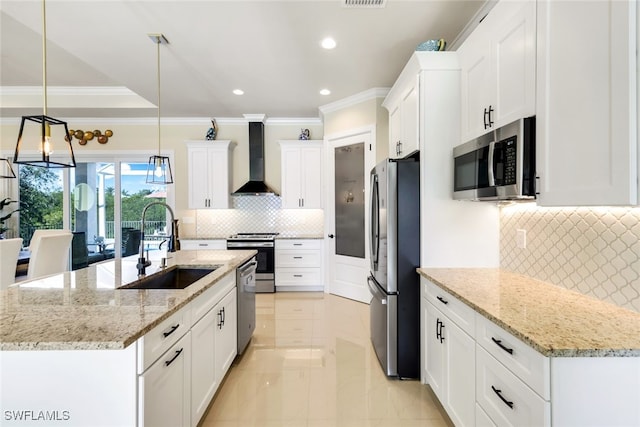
368,111
595,251
140,135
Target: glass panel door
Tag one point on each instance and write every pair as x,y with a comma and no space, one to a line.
41,200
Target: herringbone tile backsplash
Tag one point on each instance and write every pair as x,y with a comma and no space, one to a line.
595,251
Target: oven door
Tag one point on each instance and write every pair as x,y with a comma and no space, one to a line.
265,270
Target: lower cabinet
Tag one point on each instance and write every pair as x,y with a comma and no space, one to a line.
298,265
165,387
485,376
450,365
213,343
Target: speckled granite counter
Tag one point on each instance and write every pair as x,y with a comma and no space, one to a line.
83,310
555,321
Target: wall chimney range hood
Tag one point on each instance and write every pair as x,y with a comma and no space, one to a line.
256,186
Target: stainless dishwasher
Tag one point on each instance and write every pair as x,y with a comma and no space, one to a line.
246,284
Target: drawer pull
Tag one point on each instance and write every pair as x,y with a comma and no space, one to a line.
203,244
297,244
173,329
169,362
442,300
297,257
499,344
499,393
297,275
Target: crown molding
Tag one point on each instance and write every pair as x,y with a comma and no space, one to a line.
175,121
378,92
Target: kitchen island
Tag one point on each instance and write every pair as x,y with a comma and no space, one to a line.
77,350
537,353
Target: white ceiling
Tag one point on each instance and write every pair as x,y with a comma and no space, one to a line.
101,62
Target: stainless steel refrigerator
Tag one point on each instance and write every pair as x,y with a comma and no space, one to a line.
395,255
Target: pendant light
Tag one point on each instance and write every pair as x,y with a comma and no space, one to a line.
159,167
40,135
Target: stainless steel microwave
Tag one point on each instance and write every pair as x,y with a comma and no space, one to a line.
500,165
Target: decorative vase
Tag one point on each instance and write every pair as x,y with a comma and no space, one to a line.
213,131
304,135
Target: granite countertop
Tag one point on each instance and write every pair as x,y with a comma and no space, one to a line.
83,310
555,321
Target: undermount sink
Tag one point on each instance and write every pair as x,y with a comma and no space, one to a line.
171,278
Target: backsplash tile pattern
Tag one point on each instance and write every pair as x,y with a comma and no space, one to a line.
258,214
595,251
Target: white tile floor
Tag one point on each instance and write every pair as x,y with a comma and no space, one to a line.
310,363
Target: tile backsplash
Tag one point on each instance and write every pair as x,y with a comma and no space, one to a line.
595,251
258,214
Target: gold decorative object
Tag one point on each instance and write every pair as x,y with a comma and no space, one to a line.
83,136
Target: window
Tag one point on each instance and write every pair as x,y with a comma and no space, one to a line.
104,198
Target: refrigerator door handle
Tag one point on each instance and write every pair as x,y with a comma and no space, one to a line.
375,291
375,220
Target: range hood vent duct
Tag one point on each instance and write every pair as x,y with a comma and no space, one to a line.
256,186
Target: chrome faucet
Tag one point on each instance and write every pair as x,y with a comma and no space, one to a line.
142,262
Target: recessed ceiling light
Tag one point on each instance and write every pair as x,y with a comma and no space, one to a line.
325,92
238,92
328,43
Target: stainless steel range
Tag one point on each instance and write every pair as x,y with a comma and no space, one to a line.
264,243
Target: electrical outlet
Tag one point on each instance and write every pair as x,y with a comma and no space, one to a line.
521,238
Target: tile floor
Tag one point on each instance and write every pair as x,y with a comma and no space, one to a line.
310,363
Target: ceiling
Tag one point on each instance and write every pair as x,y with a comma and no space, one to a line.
101,62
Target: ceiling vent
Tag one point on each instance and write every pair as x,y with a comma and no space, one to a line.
364,3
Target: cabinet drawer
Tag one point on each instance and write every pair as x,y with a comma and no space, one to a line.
205,302
298,276
298,244
457,311
298,258
155,342
522,360
192,245
506,399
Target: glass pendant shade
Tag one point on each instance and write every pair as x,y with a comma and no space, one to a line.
6,171
159,170
44,141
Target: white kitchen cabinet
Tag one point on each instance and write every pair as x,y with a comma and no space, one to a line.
403,107
587,110
202,244
226,340
498,62
210,351
209,174
301,174
298,265
165,388
450,355
203,379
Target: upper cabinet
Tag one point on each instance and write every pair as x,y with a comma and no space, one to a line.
408,98
587,110
498,62
209,169
403,119
301,174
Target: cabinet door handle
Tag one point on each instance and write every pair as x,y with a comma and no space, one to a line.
441,334
442,300
224,315
219,319
491,110
499,344
169,362
499,393
173,329
438,329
